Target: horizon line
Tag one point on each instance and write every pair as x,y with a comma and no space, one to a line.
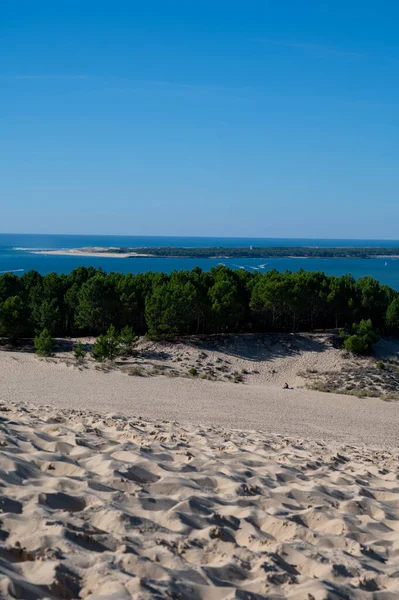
245,237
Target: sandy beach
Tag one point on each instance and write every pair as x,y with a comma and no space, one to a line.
96,252
118,487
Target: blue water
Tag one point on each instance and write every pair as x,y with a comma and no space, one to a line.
17,254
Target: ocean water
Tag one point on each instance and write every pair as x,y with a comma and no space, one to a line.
17,254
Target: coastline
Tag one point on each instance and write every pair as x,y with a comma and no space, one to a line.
91,252
160,252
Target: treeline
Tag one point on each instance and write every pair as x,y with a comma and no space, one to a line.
261,252
88,301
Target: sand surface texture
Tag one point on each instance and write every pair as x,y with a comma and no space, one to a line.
118,507
264,406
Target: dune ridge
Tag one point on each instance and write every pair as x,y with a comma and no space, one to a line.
266,407
110,506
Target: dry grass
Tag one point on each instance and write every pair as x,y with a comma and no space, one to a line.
135,371
363,379
302,360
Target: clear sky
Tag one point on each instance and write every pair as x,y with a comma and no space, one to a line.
215,117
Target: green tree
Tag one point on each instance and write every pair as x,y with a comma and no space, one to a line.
13,318
127,339
362,339
89,301
79,352
172,306
44,343
52,311
107,346
10,285
341,299
365,329
356,344
98,304
48,316
201,302
70,303
225,305
373,300
272,299
131,308
392,316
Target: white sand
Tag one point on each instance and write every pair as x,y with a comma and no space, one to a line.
98,252
267,359
112,507
260,406
150,488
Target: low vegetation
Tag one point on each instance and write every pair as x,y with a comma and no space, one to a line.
44,343
79,352
113,343
365,378
361,338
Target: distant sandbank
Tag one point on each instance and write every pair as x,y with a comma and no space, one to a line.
223,253
92,251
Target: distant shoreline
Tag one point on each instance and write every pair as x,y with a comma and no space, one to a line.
226,253
100,253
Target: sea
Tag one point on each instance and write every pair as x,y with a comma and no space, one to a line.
18,255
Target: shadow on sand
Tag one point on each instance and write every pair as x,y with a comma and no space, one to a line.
253,347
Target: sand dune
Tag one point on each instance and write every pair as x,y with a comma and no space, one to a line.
217,491
262,406
115,507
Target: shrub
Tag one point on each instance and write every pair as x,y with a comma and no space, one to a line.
238,378
362,339
107,346
100,348
356,344
365,329
193,372
136,371
79,352
44,343
127,339
380,365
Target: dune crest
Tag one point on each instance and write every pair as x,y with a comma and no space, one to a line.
106,506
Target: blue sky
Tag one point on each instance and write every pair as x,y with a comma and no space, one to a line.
223,117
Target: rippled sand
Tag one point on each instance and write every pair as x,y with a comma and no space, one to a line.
118,507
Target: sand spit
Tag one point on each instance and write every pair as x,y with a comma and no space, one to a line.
115,507
98,252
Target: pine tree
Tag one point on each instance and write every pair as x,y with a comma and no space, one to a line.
79,352
44,344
